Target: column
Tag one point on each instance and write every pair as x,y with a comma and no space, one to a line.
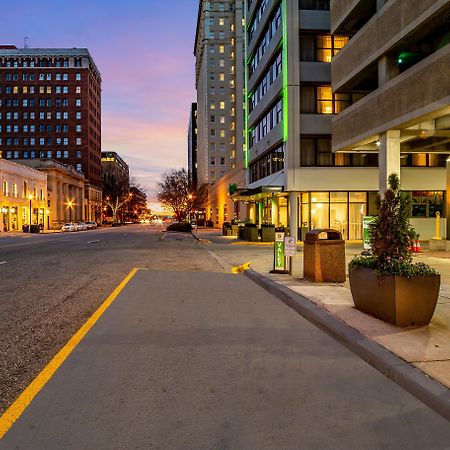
293,214
447,201
387,69
389,158
252,212
275,211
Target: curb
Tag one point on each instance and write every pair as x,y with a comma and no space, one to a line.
421,386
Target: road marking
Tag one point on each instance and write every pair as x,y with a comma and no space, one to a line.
25,398
2,262
94,242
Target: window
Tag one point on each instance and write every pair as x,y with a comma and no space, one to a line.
321,100
65,77
78,167
78,141
78,90
78,154
78,115
65,154
78,76
221,49
222,105
212,161
222,160
221,21
78,128
65,142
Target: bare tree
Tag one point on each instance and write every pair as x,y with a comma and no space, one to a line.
173,191
116,193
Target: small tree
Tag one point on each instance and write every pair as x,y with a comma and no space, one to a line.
391,232
391,235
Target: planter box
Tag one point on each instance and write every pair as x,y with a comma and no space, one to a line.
251,234
395,299
268,234
234,230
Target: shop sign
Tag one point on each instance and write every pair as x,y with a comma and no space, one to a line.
290,246
279,251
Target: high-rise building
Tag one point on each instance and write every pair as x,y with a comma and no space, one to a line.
219,82
50,108
114,165
192,145
395,72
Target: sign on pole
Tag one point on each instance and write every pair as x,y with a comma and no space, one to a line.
290,246
279,251
366,220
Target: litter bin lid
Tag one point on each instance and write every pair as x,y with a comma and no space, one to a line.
331,235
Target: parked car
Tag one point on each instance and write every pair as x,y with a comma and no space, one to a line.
80,226
91,225
68,227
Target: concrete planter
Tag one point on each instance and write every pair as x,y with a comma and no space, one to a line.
268,233
398,300
251,234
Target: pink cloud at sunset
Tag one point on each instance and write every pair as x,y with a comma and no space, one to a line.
144,51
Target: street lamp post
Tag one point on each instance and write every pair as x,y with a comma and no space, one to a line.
30,197
69,204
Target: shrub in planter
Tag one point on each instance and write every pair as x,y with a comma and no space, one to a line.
388,284
251,232
268,232
184,227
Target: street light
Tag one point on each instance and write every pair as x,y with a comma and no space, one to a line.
70,204
29,226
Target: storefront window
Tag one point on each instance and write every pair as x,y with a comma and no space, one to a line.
427,203
338,197
338,218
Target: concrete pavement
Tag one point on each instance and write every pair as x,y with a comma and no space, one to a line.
424,348
202,360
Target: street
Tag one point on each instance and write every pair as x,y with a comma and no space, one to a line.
52,282
187,356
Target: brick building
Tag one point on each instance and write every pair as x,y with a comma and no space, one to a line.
50,108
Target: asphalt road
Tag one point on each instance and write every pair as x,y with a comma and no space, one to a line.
201,360
51,283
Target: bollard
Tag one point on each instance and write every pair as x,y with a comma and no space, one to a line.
438,225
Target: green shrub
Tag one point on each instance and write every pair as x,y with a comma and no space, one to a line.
184,227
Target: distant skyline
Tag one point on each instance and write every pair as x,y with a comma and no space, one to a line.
144,51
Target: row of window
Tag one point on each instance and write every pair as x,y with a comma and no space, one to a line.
270,120
38,62
258,15
15,142
41,76
317,153
25,190
267,80
41,154
268,164
322,100
42,115
42,89
268,34
212,161
64,128
31,103
323,5
320,47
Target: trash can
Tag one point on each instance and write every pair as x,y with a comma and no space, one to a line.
324,256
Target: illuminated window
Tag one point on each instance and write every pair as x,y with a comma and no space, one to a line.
41,89
221,49
212,106
49,89
222,105
78,90
221,21
222,133
328,46
221,63
15,89
222,119
221,76
324,100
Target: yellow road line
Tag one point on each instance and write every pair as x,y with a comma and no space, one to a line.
18,407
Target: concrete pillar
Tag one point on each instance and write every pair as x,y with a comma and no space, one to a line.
252,212
447,201
387,69
389,158
293,214
275,211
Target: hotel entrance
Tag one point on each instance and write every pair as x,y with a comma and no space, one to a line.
342,211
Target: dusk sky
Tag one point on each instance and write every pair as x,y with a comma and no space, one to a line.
144,51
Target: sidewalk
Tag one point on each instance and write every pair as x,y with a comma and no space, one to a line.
426,348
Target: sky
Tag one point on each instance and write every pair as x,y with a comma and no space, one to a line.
144,51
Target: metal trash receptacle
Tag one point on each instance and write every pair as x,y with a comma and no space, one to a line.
324,256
